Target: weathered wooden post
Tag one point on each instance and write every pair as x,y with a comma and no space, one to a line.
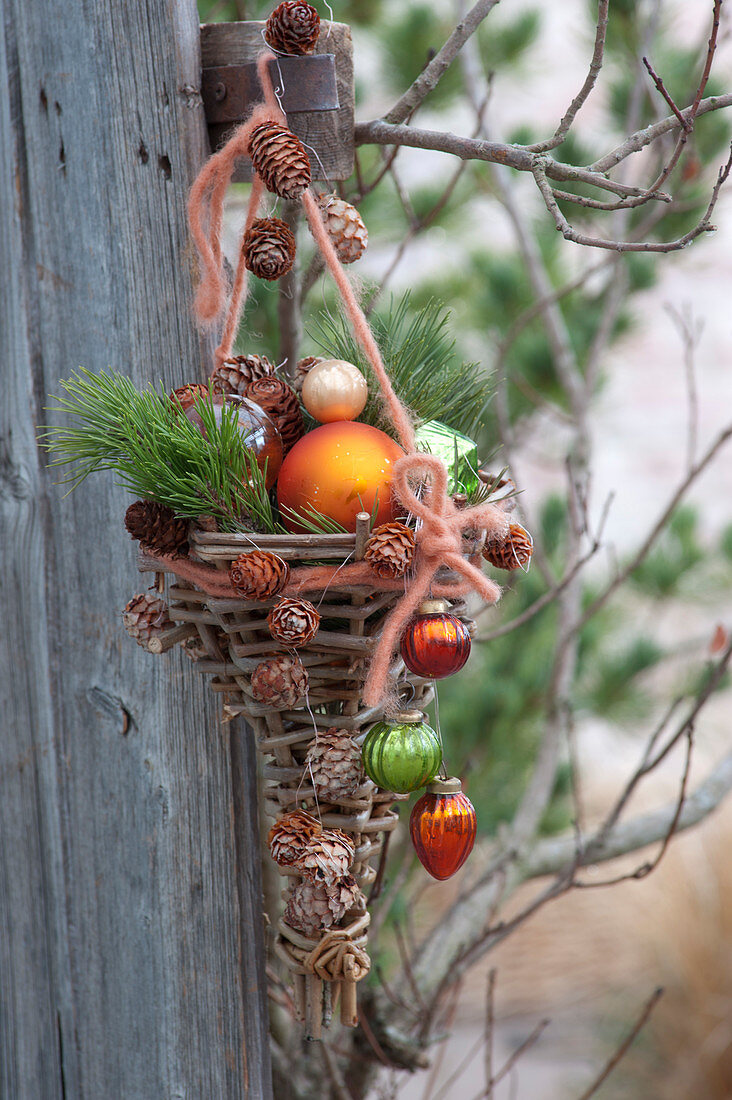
131,954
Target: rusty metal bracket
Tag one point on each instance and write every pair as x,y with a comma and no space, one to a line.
302,84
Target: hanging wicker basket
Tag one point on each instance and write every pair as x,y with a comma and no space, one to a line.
229,638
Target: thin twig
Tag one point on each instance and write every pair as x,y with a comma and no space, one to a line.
581,98
411,1009
489,1027
407,966
613,839
685,122
450,1012
625,1045
510,1063
648,867
538,605
690,332
371,1038
660,524
342,1090
431,75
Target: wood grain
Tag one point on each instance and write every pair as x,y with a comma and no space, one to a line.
329,133
131,960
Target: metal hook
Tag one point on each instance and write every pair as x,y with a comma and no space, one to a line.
409,699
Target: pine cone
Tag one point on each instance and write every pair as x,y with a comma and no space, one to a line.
290,836
512,552
185,396
235,374
269,248
280,159
280,682
258,575
345,227
303,366
327,856
158,527
293,621
334,761
280,403
390,549
313,907
145,617
293,27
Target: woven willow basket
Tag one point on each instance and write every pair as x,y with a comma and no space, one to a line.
232,637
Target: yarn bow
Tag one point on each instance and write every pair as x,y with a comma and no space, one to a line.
438,543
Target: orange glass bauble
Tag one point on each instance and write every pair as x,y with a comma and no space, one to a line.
443,826
339,469
435,643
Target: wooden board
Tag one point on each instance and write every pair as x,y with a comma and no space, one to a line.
131,937
329,133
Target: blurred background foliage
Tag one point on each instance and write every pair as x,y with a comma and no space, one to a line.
492,713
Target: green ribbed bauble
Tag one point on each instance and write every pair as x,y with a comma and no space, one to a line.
403,754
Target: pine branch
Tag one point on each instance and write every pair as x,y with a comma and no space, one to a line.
420,359
158,453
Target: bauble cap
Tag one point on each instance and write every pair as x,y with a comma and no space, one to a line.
433,607
407,717
445,786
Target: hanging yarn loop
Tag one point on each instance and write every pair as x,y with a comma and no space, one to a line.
438,540
206,218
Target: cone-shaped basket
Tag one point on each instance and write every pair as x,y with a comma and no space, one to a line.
234,637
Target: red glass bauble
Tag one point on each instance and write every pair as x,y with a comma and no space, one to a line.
443,826
339,469
435,643
259,434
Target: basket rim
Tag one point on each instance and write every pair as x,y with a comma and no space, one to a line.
248,538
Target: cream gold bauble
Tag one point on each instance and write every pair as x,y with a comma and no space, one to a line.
334,390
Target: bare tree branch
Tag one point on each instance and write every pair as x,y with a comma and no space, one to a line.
551,854
688,120
431,75
570,234
581,98
379,132
649,866
419,225
642,138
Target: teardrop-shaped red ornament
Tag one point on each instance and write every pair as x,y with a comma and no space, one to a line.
443,826
435,643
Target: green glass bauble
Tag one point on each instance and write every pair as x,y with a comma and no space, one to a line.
403,754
